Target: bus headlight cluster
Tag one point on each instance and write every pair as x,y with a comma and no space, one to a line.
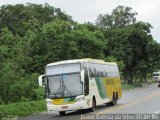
49,102
80,99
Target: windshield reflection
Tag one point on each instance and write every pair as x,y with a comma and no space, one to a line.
66,85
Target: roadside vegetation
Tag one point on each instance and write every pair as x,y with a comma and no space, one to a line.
32,36
21,109
126,86
137,83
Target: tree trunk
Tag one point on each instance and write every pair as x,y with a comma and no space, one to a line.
128,77
135,80
145,78
141,79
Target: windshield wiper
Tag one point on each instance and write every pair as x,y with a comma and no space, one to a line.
56,94
67,90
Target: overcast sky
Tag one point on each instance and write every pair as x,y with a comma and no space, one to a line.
87,10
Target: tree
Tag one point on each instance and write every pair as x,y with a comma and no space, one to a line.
89,40
121,16
130,45
105,21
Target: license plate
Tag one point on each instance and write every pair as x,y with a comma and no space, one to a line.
64,107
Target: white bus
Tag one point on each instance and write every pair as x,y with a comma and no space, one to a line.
156,76
80,84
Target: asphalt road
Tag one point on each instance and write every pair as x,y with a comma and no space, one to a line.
139,100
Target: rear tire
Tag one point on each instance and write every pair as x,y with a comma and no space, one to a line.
114,100
158,85
62,113
117,95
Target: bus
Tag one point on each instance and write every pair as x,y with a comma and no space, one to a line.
156,76
80,84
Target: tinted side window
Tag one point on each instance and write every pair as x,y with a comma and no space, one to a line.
86,79
91,69
103,70
106,70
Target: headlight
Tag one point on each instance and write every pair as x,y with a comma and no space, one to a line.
80,99
49,102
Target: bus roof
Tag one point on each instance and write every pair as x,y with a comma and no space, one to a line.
156,72
81,60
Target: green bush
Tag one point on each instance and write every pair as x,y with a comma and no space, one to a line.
38,94
0,115
22,108
1,101
138,84
23,99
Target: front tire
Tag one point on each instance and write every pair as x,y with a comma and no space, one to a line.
92,109
62,113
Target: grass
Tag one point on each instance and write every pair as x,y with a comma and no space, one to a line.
21,108
126,86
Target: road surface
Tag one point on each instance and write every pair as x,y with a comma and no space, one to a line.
139,100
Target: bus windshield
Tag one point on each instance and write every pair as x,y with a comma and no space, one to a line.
64,85
63,80
156,74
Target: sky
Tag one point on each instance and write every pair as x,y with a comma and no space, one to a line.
88,10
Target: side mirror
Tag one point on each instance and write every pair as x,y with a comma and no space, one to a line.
82,76
41,81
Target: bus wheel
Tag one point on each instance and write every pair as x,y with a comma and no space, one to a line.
92,109
62,113
114,100
117,95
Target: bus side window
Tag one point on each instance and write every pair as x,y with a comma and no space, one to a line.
91,70
118,74
113,72
86,79
94,70
103,72
106,70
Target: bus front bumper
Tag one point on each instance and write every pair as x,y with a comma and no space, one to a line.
67,107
